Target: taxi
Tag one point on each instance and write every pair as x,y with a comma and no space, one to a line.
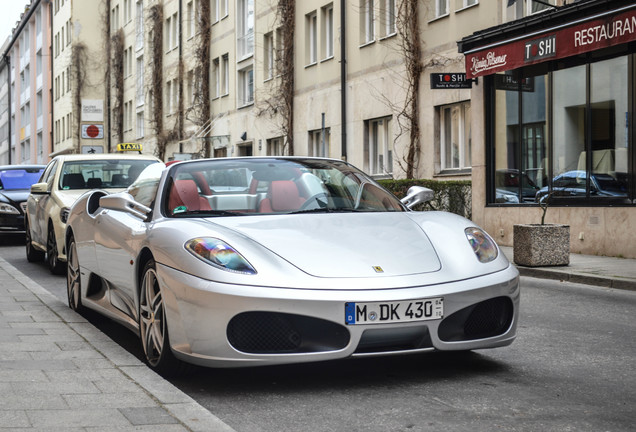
64,180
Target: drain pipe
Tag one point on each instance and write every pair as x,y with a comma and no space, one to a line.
343,79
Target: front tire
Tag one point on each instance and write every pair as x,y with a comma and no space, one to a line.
56,266
153,327
32,254
73,281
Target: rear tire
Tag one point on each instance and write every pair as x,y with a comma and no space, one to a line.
32,254
153,326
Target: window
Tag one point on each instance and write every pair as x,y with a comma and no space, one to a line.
68,32
441,8
225,75
268,55
216,78
311,34
172,32
191,87
366,21
128,55
275,146
319,142
455,139
114,19
326,20
219,10
246,86
215,8
139,36
536,6
127,110
127,11
140,124
62,44
245,28
387,17
190,19
377,147
140,81
172,96
520,159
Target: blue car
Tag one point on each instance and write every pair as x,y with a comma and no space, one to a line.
15,185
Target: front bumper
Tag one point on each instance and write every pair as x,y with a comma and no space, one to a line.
12,222
222,325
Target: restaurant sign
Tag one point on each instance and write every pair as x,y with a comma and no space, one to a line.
614,29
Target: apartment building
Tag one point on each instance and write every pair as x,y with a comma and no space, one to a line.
78,49
5,126
25,89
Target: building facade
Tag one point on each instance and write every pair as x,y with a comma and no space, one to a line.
26,81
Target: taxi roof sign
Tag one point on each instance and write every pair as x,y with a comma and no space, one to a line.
124,147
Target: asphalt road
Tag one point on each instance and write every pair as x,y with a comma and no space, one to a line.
570,369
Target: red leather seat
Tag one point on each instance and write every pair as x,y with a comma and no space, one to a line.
185,193
282,196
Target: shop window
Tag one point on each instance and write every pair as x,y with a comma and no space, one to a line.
577,153
455,137
520,129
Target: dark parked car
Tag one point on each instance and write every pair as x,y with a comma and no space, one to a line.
15,185
572,184
507,183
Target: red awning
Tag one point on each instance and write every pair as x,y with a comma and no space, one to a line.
590,34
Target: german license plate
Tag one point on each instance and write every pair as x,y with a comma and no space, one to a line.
393,312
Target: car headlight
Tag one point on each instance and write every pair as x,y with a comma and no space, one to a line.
64,214
219,254
483,246
8,209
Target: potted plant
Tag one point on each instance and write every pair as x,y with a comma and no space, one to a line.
541,245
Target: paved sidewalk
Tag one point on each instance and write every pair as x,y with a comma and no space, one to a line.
602,271
59,373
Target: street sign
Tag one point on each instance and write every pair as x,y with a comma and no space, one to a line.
450,80
92,131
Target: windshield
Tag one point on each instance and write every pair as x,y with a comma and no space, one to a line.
101,174
18,179
272,186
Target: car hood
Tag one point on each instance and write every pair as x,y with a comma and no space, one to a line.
68,197
343,245
18,195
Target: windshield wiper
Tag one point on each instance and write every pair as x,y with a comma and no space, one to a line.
329,210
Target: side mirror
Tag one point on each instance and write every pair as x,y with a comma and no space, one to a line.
124,202
417,195
40,188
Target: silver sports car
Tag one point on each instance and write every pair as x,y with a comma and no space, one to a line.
262,261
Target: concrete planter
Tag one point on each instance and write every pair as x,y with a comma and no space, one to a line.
536,245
